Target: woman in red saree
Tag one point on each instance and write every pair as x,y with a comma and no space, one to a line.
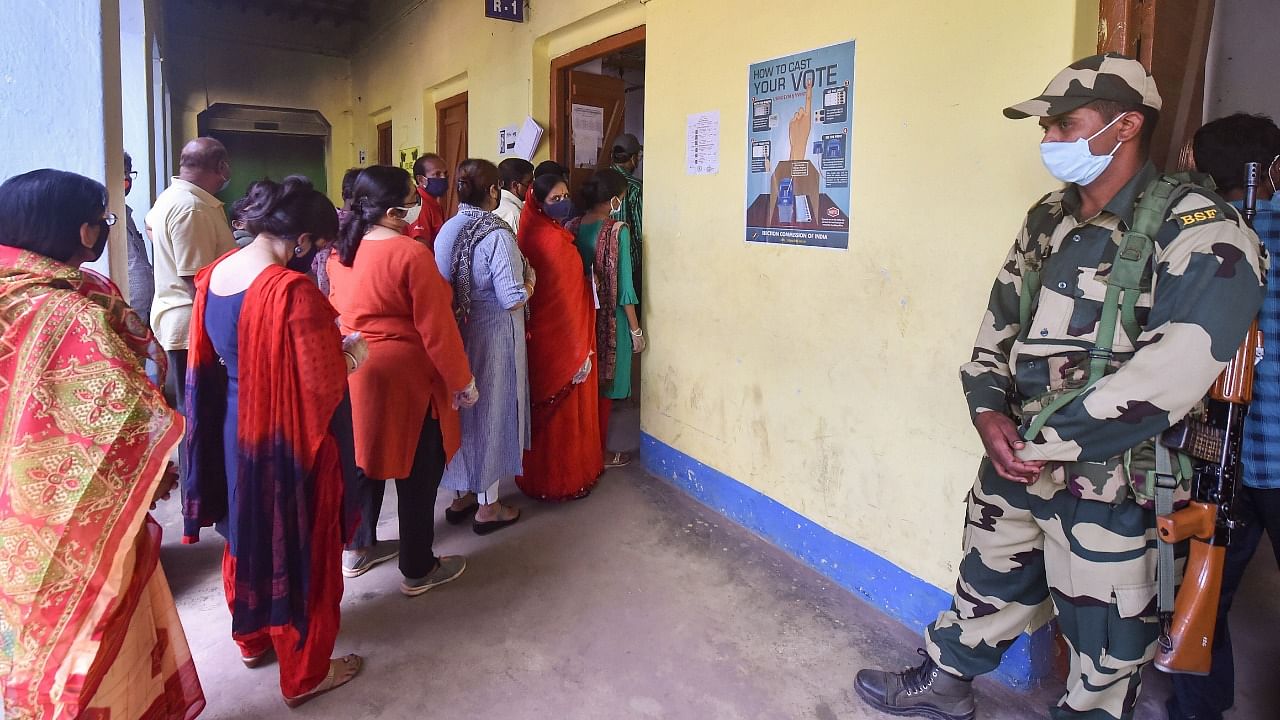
565,461
265,381
88,627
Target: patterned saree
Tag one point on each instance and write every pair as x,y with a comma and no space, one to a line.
88,627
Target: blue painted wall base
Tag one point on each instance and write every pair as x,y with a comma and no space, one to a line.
881,583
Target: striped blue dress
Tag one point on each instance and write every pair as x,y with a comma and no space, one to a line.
495,433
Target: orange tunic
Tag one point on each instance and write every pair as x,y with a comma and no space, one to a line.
394,296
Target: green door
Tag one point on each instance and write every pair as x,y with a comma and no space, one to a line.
255,156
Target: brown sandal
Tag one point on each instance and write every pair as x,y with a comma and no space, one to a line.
331,681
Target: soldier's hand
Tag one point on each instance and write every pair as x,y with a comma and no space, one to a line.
1000,438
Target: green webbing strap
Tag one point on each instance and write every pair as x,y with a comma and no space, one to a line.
1124,286
1166,483
1030,289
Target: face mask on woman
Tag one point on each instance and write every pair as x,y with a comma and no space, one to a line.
615,207
559,210
302,263
100,244
411,213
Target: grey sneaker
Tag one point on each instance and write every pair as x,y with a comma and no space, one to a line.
926,691
358,562
448,570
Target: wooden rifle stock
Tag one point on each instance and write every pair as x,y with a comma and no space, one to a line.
1195,612
1187,645
1186,638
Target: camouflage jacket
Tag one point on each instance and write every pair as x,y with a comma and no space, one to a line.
1206,288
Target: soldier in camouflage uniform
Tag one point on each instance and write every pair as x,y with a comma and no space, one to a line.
1054,526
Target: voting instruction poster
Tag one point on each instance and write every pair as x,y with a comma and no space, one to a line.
799,146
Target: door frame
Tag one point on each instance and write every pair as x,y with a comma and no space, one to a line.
385,154
1173,44
442,107
560,68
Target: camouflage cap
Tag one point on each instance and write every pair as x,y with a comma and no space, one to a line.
1112,77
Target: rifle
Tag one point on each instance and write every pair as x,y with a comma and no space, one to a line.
1214,443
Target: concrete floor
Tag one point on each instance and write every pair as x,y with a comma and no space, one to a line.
636,602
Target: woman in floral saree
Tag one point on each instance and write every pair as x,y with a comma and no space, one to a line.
88,627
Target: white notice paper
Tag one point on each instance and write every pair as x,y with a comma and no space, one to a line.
588,134
702,148
527,140
507,139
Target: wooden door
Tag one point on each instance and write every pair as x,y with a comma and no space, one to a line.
1170,37
384,144
451,143
592,91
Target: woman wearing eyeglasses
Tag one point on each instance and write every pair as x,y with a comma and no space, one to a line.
89,626
405,398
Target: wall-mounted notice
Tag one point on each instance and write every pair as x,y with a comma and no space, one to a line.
507,139
799,148
588,134
702,143
529,136
408,156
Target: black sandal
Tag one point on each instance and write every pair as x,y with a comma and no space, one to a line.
492,526
457,517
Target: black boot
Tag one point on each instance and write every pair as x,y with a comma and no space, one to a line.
926,691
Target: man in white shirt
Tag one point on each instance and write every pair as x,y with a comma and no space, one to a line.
517,176
188,230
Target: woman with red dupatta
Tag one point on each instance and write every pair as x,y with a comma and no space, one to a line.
265,381
88,627
565,460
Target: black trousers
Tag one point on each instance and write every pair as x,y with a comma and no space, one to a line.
175,383
175,392
1207,697
416,503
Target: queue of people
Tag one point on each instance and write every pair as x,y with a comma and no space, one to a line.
315,353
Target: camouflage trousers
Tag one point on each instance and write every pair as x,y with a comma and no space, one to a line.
1031,552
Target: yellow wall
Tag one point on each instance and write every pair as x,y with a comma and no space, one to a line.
828,379
447,46
824,379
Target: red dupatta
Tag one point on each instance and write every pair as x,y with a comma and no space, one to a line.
84,442
292,379
561,314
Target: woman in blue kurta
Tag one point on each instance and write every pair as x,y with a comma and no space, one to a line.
265,385
477,253
605,245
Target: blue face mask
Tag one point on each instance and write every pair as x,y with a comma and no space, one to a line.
559,210
437,186
1074,162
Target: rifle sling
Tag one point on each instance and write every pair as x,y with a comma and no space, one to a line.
1166,484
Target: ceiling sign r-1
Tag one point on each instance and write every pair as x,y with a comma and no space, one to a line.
512,10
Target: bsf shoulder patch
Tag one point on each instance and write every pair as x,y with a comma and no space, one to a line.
1204,215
